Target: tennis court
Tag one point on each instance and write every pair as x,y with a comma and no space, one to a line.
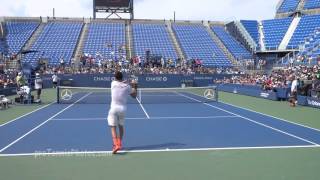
169,122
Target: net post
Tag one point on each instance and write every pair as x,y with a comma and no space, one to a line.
58,94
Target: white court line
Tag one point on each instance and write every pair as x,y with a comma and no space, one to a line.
32,130
253,121
189,97
18,118
156,150
1,125
104,119
281,119
272,116
144,110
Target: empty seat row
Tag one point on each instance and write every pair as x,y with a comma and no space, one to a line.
154,38
57,41
196,43
312,4
237,49
106,39
275,30
288,6
306,26
18,33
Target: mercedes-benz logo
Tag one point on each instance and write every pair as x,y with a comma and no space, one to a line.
165,79
66,95
209,94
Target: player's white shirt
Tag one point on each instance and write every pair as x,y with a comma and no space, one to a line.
119,95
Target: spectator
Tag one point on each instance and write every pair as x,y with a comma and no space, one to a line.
291,61
62,63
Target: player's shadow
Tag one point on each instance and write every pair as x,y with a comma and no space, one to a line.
156,147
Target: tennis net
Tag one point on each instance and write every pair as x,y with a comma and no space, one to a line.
84,95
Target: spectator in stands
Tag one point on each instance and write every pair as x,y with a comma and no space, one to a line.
170,63
261,64
291,61
310,60
83,60
62,63
162,62
38,87
73,61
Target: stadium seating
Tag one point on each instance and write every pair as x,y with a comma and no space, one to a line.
57,40
233,45
312,4
105,39
306,26
153,37
196,43
288,6
252,28
274,31
2,46
312,45
18,34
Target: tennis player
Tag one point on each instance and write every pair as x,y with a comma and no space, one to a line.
120,90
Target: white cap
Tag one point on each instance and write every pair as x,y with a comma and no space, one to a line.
37,74
20,73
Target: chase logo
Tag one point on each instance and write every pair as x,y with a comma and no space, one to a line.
157,79
105,78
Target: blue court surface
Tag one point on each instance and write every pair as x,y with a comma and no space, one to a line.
82,128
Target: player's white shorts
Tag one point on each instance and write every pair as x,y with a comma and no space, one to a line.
116,116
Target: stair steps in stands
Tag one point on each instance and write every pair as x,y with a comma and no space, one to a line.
175,41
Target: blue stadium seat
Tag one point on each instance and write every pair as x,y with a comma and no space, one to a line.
18,33
196,43
252,28
105,38
153,37
57,40
274,31
233,45
312,4
288,6
306,26
2,46
311,46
